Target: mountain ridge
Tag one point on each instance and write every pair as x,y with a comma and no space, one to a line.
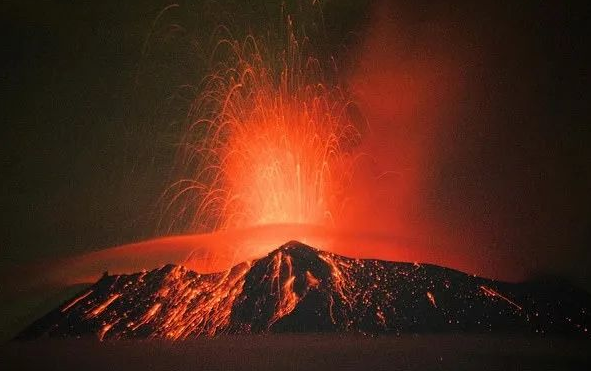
298,288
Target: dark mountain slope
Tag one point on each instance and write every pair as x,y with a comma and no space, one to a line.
297,288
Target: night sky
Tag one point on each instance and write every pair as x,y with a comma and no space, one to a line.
91,114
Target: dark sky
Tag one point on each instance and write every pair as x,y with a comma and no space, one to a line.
90,115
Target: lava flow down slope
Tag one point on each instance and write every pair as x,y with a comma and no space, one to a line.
297,288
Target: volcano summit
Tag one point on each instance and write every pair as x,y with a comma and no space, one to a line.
297,288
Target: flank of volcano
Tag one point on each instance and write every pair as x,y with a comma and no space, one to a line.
297,288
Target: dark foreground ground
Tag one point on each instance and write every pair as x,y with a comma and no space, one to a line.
302,352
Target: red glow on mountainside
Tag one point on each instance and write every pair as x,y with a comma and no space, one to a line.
300,288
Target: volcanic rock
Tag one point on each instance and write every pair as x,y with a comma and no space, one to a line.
298,288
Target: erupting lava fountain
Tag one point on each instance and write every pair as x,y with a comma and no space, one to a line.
271,141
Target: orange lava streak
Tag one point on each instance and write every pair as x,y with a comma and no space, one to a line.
381,317
98,310
342,284
312,281
288,299
431,298
490,292
73,302
148,316
104,330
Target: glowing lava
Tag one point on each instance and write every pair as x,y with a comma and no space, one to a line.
270,141
297,288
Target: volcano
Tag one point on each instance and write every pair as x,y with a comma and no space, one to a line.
297,288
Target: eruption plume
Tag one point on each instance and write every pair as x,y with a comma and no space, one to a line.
269,142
